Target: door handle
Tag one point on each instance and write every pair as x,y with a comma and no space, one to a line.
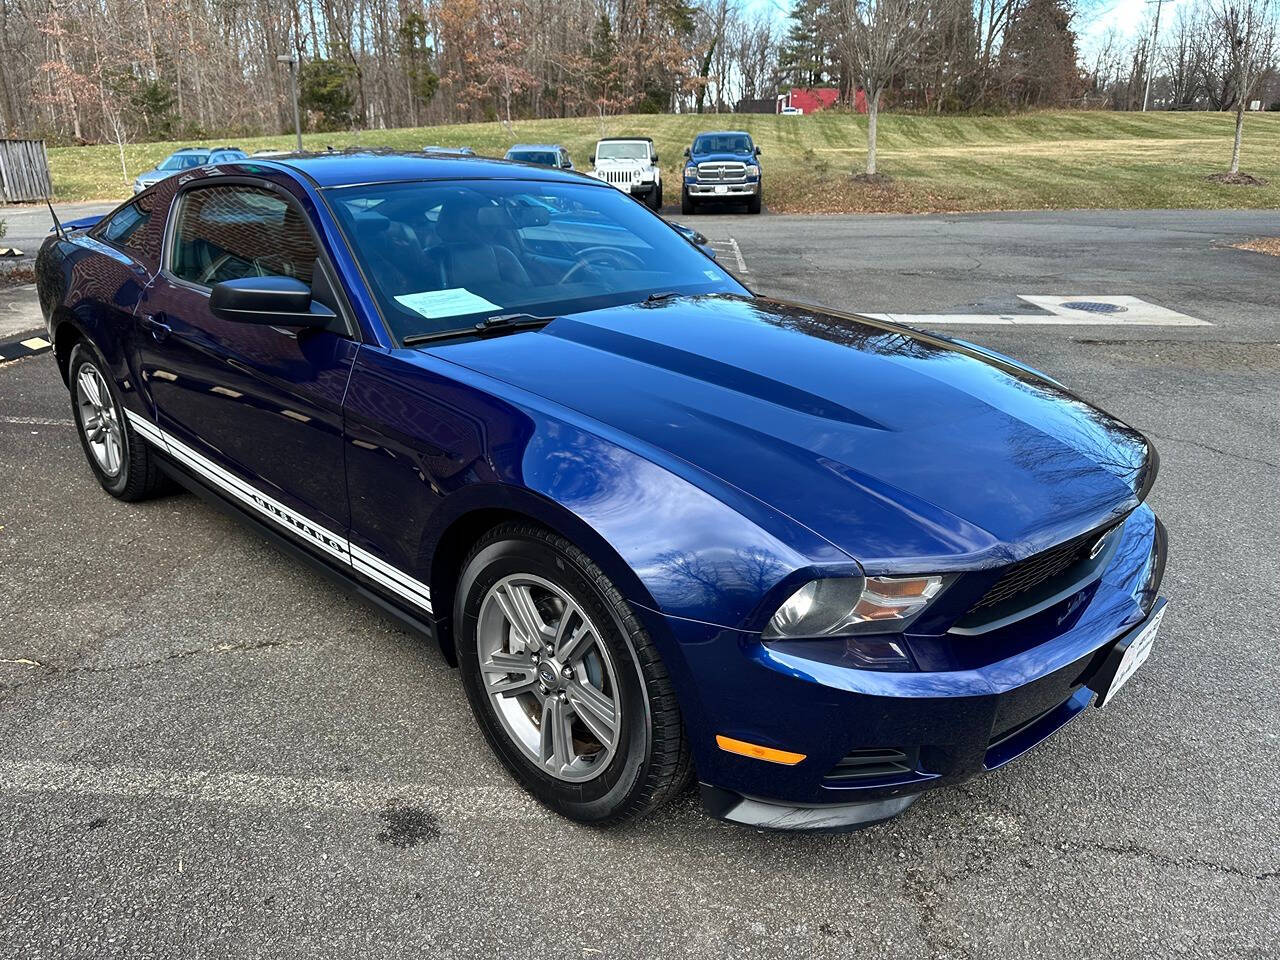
155,323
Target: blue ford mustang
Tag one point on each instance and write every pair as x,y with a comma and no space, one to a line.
662,526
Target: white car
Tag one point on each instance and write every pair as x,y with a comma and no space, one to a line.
791,112
631,165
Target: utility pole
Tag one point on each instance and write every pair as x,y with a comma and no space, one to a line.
1151,54
292,61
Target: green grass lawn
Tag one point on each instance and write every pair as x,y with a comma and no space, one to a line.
1029,161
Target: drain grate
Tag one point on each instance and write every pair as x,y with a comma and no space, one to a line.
1093,306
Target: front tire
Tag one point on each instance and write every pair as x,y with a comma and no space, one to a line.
118,456
753,205
686,204
564,681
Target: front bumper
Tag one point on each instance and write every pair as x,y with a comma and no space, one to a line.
874,740
713,191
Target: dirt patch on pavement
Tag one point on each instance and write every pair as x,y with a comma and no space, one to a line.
15,273
1268,245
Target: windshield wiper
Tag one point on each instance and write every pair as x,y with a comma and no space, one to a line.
488,327
661,295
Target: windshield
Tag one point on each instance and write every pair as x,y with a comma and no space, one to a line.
442,256
184,161
547,158
722,143
623,150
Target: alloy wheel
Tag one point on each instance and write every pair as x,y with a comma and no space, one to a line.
549,677
98,419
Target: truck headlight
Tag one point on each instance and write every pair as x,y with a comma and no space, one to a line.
691,171
851,605
753,170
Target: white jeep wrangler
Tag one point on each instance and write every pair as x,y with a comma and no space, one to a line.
631,165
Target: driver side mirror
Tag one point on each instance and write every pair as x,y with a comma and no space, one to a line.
591,159
271,301
655,158
757,151
687,153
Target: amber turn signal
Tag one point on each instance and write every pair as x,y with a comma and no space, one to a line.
745,749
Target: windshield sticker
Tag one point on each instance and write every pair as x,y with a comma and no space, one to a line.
434,304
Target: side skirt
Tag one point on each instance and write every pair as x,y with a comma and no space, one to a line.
294,549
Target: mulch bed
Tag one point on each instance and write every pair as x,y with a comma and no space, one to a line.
1237,179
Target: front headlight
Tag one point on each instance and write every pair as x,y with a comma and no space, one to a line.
691,171
851,605
753,170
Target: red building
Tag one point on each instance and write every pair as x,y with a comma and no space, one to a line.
812,99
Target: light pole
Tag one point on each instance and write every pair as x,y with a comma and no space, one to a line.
292,61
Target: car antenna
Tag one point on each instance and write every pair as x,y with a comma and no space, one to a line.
57,225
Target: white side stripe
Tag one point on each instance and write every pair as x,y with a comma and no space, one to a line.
363,562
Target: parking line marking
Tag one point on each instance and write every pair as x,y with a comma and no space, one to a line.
497,802
1131,312
37,422
737,255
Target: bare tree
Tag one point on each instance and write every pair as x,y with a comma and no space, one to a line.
878,37
1249,29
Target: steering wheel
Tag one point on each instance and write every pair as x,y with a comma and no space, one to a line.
623,259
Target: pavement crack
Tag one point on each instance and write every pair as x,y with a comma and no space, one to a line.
1211,449
1120,849
51,672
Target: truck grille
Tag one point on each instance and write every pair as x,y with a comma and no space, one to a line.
722,172
616,177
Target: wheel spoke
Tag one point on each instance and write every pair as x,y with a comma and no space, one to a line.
112,451
594,708
499,669
569,651
89,384
518,607
557,739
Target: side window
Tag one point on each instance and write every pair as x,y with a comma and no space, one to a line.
128,226
226,232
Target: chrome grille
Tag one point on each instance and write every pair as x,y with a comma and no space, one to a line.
722,172
617,177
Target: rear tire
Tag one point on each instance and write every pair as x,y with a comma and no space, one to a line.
117,455
564,681
686,204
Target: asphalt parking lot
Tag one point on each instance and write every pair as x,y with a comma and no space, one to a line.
208,752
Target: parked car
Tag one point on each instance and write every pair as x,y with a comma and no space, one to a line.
542,154
791,112
186,159
661,524
461,151
631,165
722,167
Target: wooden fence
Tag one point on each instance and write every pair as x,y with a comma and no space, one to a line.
24,171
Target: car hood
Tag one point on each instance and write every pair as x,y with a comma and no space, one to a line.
909,452
723,158
154,176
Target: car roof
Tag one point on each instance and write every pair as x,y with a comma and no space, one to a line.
624,139
349,167
722,133
534,146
